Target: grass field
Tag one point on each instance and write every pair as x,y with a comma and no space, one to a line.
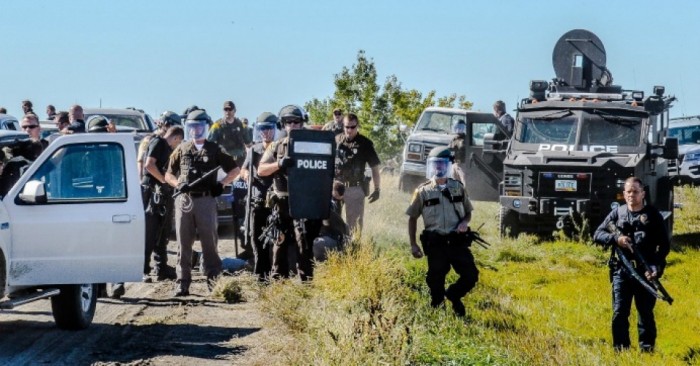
537,303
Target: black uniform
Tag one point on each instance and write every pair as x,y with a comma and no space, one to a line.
259,213
158,205
296,248
654,247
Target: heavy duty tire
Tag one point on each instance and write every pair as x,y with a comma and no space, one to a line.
74,307
508,223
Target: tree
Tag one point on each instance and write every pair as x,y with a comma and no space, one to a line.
385,112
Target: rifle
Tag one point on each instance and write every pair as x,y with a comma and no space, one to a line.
476,238
198,180
272,234
653,286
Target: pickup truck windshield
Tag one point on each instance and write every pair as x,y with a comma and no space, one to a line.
438,121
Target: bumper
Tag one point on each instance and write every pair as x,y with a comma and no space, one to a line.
690,170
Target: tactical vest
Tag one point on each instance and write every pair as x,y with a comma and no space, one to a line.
194,164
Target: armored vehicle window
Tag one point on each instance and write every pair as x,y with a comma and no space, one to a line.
438,122
607,129
84,172
554,129
479,130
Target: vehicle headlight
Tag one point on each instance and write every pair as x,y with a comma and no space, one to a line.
692,156
415,148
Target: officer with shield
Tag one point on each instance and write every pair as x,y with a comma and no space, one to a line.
288,237
446,211
192,170
257,213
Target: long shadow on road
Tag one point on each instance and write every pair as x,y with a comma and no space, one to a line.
33,342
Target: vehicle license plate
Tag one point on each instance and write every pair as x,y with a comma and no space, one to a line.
565,185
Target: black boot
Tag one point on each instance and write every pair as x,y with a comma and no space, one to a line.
182,289
165,272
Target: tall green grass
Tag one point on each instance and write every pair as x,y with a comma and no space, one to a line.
537,303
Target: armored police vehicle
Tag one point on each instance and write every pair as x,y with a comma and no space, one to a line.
577,139
434,128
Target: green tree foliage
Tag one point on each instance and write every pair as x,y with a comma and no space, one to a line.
382,110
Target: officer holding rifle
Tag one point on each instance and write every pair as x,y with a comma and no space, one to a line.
640,244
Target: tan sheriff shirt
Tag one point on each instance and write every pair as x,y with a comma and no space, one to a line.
441,212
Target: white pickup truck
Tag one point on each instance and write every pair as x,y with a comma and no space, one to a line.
72,222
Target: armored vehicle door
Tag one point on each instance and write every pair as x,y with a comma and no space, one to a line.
485,143
311,176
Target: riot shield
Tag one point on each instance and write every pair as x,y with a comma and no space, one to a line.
311,176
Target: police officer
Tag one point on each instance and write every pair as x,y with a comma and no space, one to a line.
499,110
446,211
458,150
293,246
265,127
645,225
230,133
354,153
336,124
167,119
158,202
195,207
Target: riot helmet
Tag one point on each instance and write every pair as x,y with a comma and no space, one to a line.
265,127
293,114
169,118
459,128
439,163
98,124
197,125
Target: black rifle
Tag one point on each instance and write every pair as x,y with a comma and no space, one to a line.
272,233
198,180
474,236
653,286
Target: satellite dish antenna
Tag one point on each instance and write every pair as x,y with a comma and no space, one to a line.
579,60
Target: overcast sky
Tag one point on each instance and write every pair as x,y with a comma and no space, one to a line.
167,55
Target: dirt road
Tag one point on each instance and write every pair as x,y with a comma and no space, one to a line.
145,327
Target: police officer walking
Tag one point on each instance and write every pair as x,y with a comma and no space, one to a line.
158,202
642,226
294,233
192,169
354,153
265,127
446,212
499,110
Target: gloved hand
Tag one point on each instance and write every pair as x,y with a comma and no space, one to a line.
184,187
374,196
285,162
217,190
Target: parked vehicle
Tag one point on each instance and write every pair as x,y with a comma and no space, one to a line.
687,131
127,120
72,222
577,139
434,128
8,122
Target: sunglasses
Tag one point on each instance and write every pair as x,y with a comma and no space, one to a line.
227,109
31,127
350,127
293,122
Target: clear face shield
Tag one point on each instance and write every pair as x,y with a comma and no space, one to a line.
438,168
196,129
264,132
459,128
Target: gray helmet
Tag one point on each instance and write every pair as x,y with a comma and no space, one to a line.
98,124
293,112
267,118
170,118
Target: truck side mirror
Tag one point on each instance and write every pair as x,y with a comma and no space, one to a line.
491,145
34,192
670,148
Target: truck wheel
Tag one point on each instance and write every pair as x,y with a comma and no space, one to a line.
508,223
74,307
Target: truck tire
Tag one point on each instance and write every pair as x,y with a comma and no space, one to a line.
74,307
508,223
